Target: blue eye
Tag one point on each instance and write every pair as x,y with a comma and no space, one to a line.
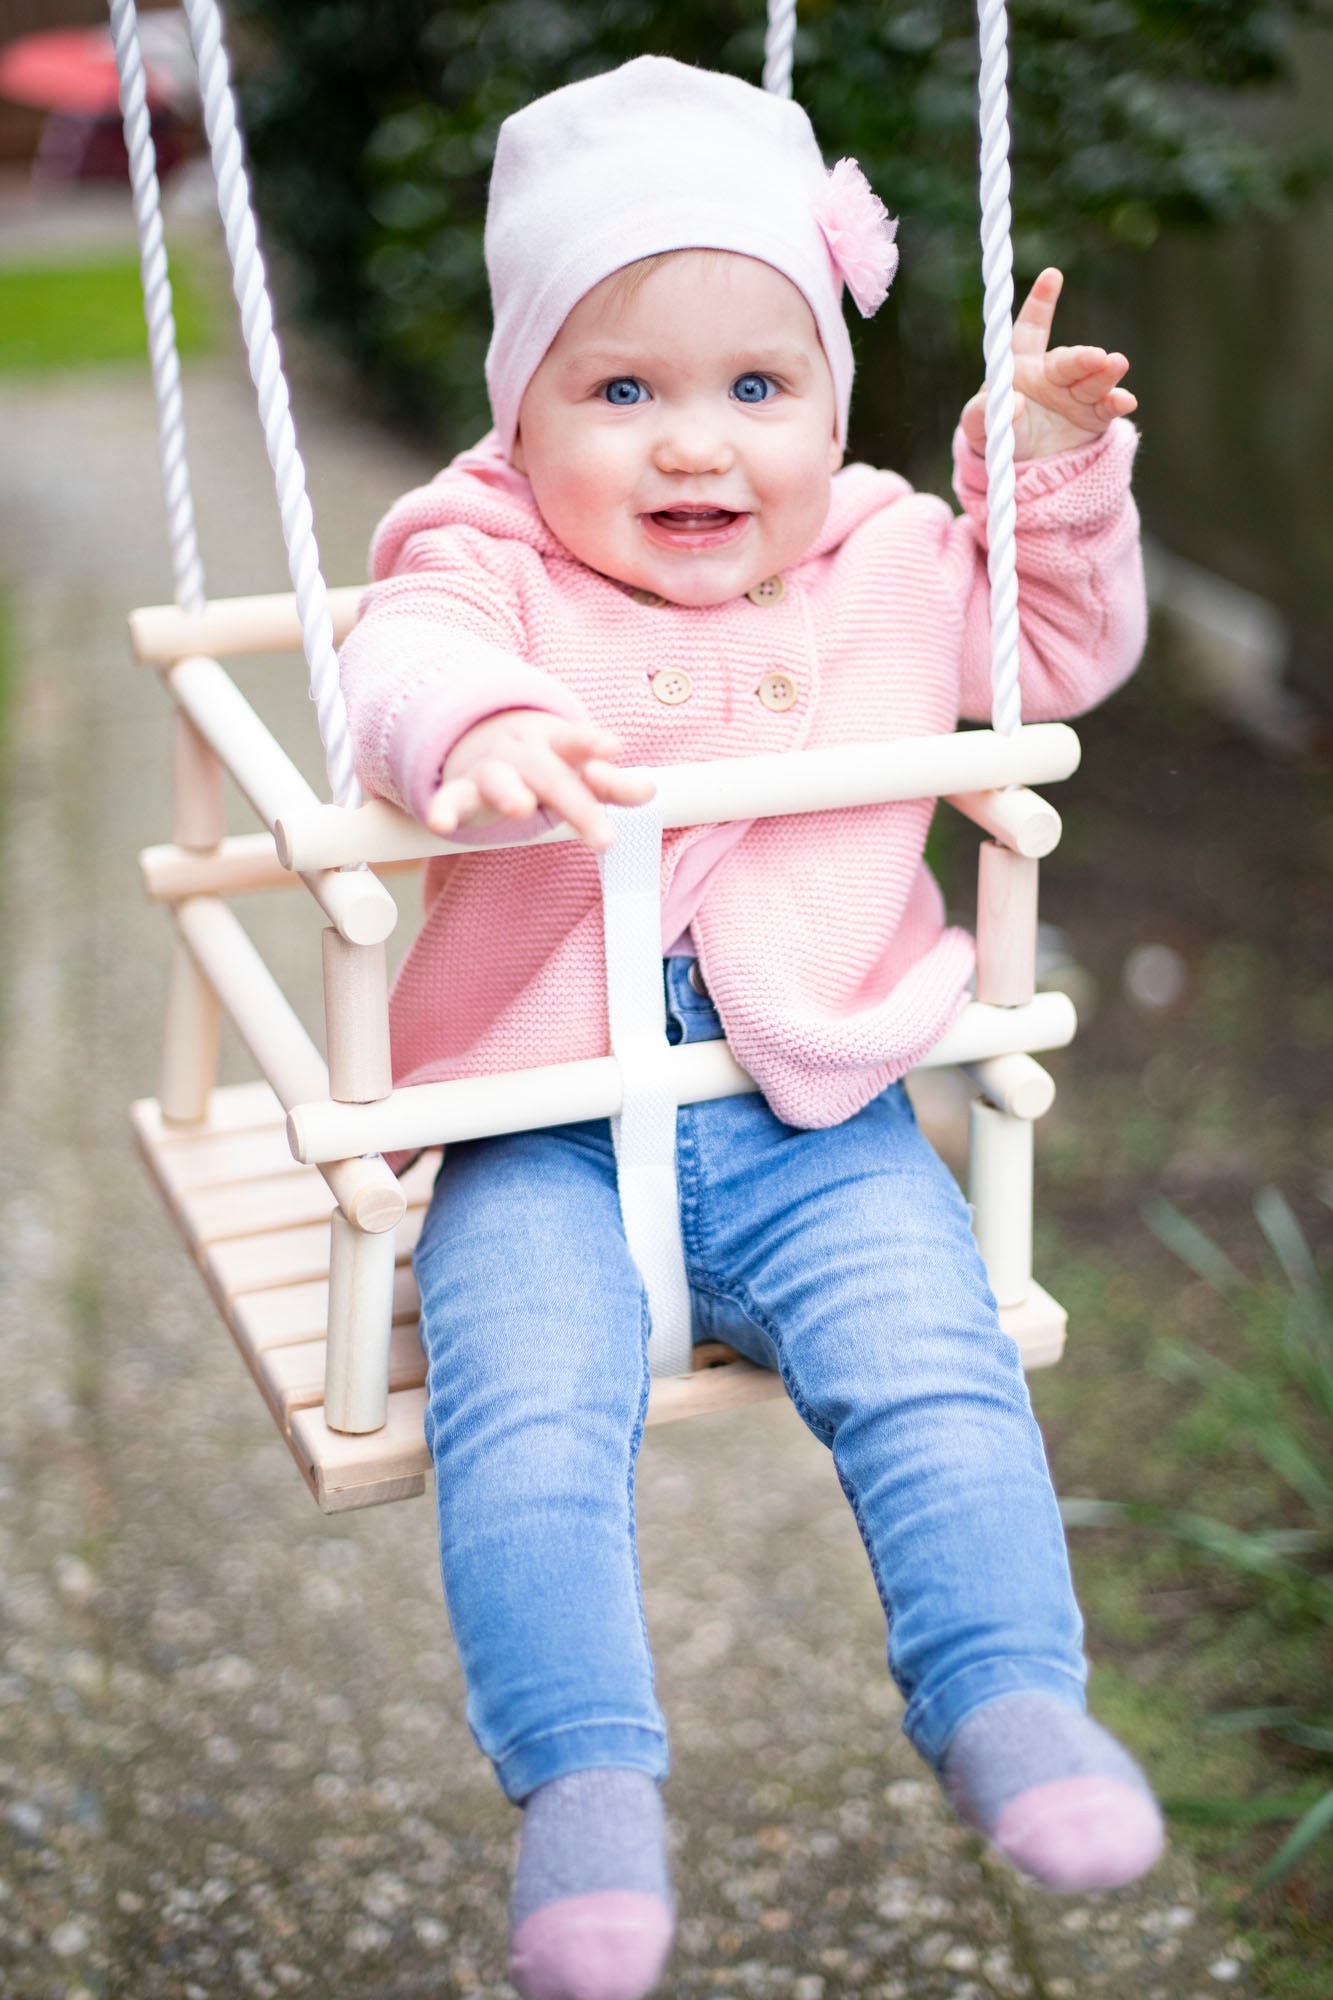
624,392
754,388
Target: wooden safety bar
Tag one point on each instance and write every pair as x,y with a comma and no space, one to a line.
795,781
434,1114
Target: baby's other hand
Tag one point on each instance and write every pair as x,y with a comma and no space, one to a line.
1063,396
514,762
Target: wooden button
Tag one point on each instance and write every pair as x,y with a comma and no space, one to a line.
673,686
777,691
648,597
771,591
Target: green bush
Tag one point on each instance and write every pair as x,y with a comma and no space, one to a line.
372,125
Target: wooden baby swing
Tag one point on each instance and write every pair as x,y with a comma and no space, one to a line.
303,1234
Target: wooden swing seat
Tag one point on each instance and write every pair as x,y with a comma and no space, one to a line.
264,1180
257,1223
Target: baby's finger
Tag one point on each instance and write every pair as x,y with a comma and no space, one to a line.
617,787
577,741
1087,372
501,787
563,791
451,805
1119,403
1032,327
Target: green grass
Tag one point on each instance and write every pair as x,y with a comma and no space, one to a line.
1207,1589
60,316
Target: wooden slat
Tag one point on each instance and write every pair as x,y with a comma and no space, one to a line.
345,1472
290,1314
256,1207
237,1107
1038,1325
293,1377
288,1256
729,1387
222,1159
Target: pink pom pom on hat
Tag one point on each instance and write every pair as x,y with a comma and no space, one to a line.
657,156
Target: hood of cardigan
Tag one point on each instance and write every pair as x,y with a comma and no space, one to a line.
482,491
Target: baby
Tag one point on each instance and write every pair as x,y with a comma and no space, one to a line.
654,557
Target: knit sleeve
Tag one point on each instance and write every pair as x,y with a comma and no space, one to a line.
439,646
1081,604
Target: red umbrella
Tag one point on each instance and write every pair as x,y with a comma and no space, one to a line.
74,70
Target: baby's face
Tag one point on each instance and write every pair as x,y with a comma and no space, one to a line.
679,431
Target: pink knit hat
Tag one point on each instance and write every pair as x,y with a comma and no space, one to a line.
657,156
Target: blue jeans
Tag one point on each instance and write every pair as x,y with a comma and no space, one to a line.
844,1259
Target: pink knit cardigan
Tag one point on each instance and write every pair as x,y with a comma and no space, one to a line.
821,938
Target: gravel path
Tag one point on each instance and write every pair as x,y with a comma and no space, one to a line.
233,1757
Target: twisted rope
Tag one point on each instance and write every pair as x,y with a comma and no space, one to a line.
779,40
248,283
997,265
186,568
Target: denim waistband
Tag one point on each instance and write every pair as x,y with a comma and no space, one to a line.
690,1014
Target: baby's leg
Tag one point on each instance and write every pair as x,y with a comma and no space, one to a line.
534,1323
850,1255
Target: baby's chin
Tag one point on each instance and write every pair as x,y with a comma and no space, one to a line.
699,584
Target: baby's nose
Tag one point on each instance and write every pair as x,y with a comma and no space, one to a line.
692,446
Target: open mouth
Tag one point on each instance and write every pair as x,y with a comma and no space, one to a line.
694,527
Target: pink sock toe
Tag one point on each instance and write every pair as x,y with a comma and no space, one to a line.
611,1945
1078,1834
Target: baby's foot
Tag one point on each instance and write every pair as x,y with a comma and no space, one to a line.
1055,1793
591,1917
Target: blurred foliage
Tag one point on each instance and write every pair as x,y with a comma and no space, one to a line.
1274,1412
372,124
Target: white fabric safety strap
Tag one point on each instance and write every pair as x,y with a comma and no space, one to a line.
644,1134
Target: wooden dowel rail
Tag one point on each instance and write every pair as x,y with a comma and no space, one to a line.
432,1114
359,905
367,1193
1013,1083
794,781
1019,819
241,865
161,634
207,694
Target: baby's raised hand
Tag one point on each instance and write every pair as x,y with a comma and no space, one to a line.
514,762
1063,396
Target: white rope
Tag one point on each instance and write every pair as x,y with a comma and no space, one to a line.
997,265
248,281
779,40
644,1134
186,568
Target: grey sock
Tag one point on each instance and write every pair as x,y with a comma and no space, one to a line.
592,1830
1025,1740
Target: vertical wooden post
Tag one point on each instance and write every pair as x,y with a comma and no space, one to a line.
199,816
356,1020
194,1019
1000,1189
1006,926
356,1370
189,1042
